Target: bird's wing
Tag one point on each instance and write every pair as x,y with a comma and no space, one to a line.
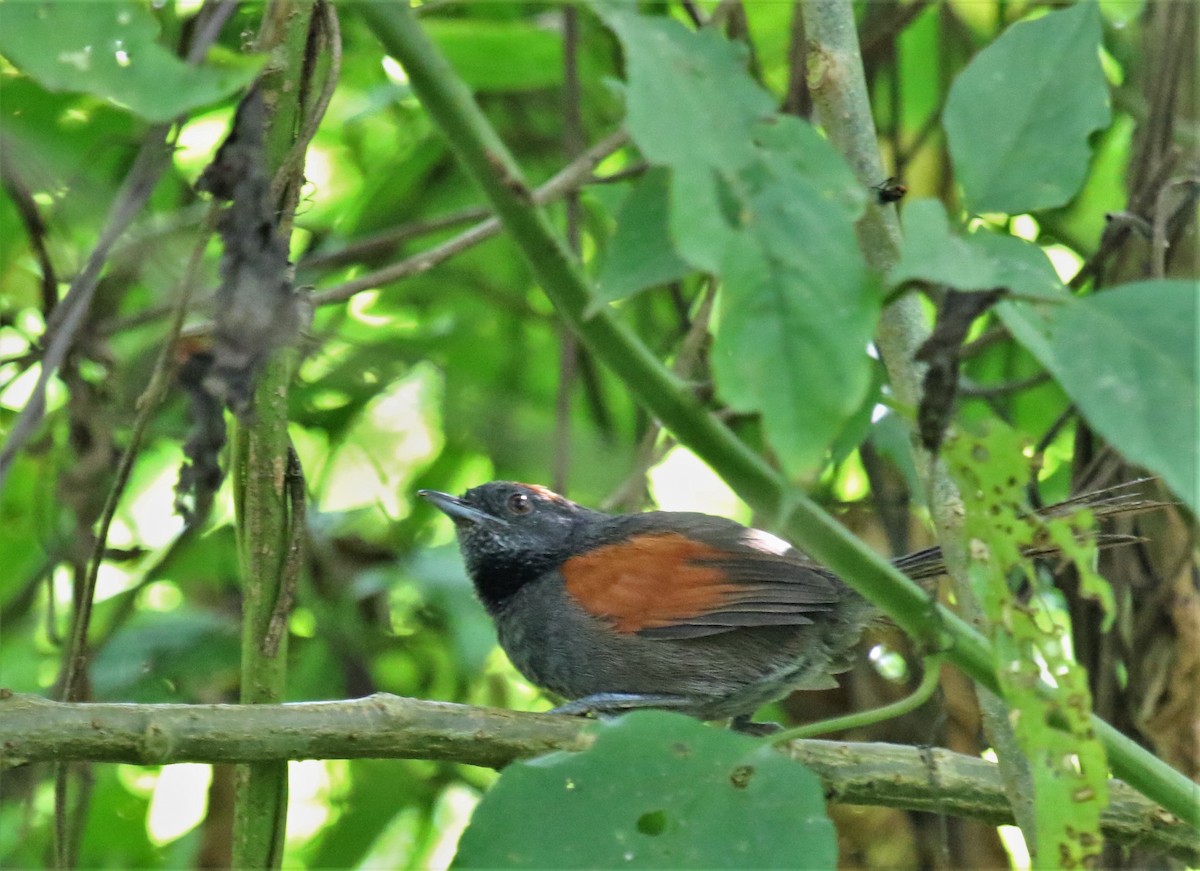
714,576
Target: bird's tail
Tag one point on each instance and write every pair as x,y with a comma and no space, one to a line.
1121,500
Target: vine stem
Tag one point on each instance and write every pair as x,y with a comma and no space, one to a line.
296,32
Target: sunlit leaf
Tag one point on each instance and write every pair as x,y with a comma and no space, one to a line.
109,49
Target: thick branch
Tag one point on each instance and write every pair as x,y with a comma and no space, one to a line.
33,729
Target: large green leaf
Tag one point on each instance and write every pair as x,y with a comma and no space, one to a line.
1127,357
764,202
109,49
656,790
1019,116
798,306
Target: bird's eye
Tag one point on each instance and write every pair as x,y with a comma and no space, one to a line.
519,503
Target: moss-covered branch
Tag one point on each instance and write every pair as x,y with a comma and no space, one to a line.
33,729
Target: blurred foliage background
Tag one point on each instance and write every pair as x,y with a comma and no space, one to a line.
460,372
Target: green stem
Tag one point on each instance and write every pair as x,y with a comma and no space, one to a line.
260,448
260,470
862,719
486,159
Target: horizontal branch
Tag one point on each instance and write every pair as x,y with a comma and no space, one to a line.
33,729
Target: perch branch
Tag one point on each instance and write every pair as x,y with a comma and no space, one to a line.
382,726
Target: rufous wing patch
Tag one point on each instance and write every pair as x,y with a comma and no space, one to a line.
650,581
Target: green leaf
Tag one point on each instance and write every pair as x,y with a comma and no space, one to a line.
641,253
680,82
763,201
797,307
109,50
1018,117
930,252
499,56
980,261
1127,358
684,81
167,657
656,790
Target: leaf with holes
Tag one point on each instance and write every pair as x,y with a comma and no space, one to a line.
1045,688
656,790
1019,116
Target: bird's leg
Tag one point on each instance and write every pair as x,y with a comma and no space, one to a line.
614,703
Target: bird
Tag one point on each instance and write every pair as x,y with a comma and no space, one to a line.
672,610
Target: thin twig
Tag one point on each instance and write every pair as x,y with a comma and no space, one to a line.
1160,241
991,391
35,229
568,343
567,179
386,240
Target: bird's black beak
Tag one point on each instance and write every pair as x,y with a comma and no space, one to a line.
456,509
